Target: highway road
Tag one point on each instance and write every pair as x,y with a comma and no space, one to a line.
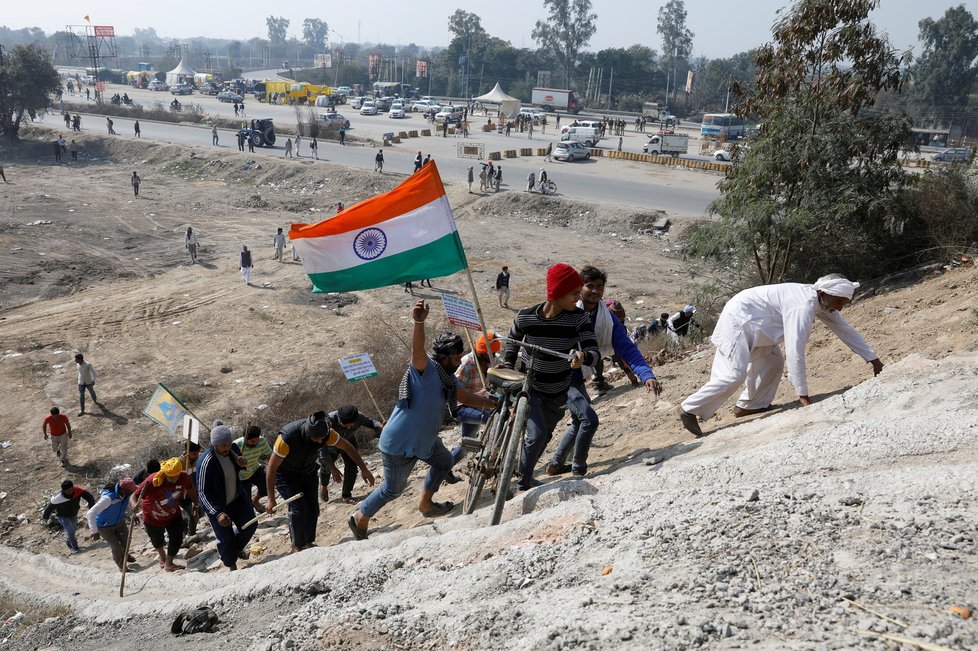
641,185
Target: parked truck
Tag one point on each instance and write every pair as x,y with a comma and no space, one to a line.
556,99
667,144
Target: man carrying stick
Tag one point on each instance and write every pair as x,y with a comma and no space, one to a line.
292,469
224,498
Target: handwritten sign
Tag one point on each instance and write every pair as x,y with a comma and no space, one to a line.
358,367
461,312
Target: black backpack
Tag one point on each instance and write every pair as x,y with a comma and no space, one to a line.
202,620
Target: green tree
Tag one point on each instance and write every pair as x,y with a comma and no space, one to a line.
945,73
677,39
27,81
819,189
566,31
277,29
315,33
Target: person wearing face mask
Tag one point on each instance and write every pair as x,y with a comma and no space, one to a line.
748,335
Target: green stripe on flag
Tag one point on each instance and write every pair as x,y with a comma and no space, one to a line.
441,257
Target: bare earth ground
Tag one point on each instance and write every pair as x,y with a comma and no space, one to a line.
702,565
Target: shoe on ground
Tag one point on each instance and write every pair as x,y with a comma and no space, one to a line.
690,422
324,494
603,386
577,474
81,413
533,484
553,470
452,478
131,559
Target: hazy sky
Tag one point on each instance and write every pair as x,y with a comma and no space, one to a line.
721,27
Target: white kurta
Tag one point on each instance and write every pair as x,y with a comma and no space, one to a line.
752,326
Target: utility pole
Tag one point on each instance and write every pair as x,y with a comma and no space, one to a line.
610,82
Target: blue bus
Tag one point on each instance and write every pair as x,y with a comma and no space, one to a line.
723,126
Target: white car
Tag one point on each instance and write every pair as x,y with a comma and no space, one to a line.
532,113
156,84
396,110
450,114
368,108
571,151
593,124
423,105
723,155
356,103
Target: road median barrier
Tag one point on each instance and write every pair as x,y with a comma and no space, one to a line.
413,133
426,132
495,155
510,153
527,151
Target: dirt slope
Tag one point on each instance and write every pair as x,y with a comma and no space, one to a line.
695,561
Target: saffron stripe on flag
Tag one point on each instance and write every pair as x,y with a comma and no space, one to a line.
417,190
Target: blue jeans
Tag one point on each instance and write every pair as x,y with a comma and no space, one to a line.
545,414
81,394
584,423
398,468
69,527
471,418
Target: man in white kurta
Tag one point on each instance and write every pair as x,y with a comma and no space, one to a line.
748,335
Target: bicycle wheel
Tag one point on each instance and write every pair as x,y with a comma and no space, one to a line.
516,435
551,187
477,467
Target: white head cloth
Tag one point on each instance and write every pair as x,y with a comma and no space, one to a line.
836,285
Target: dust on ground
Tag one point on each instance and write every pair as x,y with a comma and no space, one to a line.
696,560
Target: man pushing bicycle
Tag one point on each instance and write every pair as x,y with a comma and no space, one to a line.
557,324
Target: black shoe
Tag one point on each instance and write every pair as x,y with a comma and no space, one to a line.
603,387
690,422
452,478
554,470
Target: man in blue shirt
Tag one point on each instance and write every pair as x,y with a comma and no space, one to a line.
411,433
613,339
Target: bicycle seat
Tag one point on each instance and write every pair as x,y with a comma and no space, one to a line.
505,379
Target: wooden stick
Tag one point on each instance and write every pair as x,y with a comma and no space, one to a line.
125,556
926,646
873,612
255,519
478,366
376,406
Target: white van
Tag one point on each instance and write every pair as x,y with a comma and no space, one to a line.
588,135
450,114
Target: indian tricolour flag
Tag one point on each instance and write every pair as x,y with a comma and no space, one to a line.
406,234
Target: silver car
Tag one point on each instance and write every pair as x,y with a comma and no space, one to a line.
571,151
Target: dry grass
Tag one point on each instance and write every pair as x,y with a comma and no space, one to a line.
34,613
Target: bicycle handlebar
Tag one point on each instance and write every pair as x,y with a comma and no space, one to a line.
541,349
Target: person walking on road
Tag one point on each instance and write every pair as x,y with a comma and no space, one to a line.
279,242
107,519
190,241
137,130
135,180
298,140
65,504
108,122
343,135
471,178
379,161
418,162
215,139
288,148
86,382
244,264
56,424
314,148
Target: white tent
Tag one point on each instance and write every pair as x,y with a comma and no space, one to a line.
182,72
509,106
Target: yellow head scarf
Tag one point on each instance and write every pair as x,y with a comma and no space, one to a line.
169,468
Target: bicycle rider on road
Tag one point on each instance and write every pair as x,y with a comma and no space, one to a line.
557,324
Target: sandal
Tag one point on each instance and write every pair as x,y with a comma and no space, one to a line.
438,510
358,533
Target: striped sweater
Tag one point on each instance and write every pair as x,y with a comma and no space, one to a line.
552,375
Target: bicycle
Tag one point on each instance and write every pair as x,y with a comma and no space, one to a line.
493,455
548,187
